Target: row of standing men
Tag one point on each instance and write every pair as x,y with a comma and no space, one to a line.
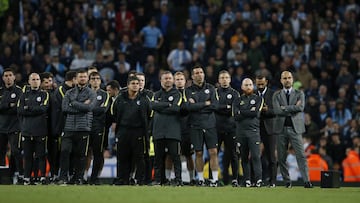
177,118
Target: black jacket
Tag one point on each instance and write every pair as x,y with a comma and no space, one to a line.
32,109
184,113
200,115
166,118
99,111
224,119
246,111
9,97
56,116
79,115
130,113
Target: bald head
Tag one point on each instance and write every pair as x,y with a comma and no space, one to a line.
34,81
286,79
247,86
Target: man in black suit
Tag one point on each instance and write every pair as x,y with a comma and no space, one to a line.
266,127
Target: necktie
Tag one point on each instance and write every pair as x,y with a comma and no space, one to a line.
288,96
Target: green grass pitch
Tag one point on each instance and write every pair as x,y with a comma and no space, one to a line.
128,194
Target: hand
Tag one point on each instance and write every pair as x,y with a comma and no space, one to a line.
298,103
228,106
282,107
12,104
253,108
192,101
87,101
207,103
26,107
265,108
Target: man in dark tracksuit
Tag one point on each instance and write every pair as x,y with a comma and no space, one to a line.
203,101
266,127
131,112
97,134
32,109
77,105
167,126
148,158
57,123
225,126
246,111
9,123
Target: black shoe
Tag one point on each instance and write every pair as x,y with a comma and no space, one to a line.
271,185
214,184
95,181
61,182
234,183
308,185
156,183
192,182
118,181
43,181
133,181
201,183
288,185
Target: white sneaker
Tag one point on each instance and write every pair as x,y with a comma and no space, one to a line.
247,183
258,183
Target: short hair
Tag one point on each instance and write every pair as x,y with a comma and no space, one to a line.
260,75
114,84
132,78
8,70
92,68
70,75
45,75
139,73
164,73
179,73
224,72
195,67
81,71
94,74
132,72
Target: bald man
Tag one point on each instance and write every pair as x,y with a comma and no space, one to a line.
246,111
32,109
288,105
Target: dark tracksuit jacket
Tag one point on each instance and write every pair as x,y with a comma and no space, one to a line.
224,120
79,116
166,118
32,108
99,111
9,121
200,115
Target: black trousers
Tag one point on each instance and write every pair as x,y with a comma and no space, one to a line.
231,155
130,143
163,147
54,149
75,144
269,142
34,149
14,139
97,140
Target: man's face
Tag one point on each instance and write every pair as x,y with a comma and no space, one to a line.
167,81
261,83
47,84
286,79
82,79
134,86
247,86
111,91
34,81
8,78
224,80
141,81
95,81
180,81
198,75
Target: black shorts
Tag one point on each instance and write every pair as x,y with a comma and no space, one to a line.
201,136
187,149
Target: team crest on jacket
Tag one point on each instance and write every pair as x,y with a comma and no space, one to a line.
13,95
171,98
207,91
38,99
99,97
252,101
138,102
229,96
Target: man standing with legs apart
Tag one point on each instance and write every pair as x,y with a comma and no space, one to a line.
167,126
225,126
266,127
203,101
246,111
77,105
32,107
289,125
